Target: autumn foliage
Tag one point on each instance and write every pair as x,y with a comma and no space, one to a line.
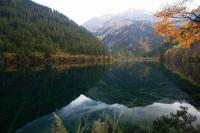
178,24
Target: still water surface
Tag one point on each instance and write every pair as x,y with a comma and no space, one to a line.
137,92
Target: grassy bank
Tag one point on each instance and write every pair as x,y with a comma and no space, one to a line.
180,122
37,58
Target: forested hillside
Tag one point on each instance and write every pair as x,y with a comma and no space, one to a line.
27,27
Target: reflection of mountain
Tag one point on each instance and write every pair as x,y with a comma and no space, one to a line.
141,91
26,95
86,107
139,82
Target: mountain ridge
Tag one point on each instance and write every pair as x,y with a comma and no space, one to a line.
131,31
131,14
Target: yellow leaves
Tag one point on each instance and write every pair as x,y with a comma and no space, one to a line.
171,10
166,39
176,25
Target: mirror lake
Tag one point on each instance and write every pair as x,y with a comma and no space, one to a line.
138,92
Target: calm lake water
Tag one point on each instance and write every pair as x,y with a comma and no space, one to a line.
137,93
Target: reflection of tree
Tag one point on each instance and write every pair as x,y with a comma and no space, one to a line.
36,93
122,55
181,122
185,62
144,72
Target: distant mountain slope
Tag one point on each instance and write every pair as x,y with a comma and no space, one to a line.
137,38
96,23
99,22
26,27
131,31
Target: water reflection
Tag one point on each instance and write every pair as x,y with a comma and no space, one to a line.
186,75
129,118
140,92
28,94
140,83
187,70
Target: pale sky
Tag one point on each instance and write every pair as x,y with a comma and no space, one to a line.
82,10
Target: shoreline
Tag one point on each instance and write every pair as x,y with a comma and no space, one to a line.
141,59
11,59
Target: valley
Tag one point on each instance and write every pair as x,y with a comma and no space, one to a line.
99,66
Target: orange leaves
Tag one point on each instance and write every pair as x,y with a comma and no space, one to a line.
166,39
170,11
178,25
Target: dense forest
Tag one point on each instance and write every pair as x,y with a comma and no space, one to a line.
27,27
